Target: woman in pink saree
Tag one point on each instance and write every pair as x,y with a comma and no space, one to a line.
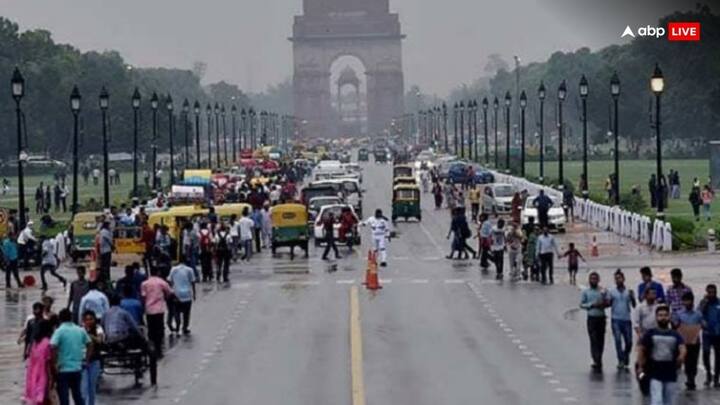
38,378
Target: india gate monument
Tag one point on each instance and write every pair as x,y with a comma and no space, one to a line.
329,32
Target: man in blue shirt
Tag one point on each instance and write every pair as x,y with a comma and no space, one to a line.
71,347
132,304
622,301
647,282
182,280
10,255
688,322
709,307
594,300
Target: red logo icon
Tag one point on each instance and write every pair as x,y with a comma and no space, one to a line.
683,31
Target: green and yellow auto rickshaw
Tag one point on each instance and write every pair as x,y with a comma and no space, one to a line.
403,170
84,229
289,227
406,202
363,155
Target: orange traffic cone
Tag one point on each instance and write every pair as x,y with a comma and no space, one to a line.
594,250
372,281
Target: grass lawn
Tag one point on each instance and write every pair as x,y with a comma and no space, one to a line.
637,172
118,193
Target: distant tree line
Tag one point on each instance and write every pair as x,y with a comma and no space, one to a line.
691,102
51,70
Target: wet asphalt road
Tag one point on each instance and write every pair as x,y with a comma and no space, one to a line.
439,332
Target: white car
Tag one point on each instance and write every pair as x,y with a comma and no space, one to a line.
316,204
336,209
498,198
556,215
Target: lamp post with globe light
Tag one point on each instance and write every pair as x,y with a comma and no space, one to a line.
75,99
657,85
615,93
18,91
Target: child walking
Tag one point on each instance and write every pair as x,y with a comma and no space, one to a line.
573,255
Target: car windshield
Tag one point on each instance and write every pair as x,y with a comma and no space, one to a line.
504,191
529,202
336,210
318,203
350,187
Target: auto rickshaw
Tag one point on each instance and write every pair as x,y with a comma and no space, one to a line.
406,202
403,171
363,155
84,228
225,211
174,219
289,227
410,181
128,240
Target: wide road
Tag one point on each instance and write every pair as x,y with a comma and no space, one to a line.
439,332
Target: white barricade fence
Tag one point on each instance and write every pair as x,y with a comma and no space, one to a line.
640,228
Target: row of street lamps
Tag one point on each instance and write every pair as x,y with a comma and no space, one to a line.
433,124
256,129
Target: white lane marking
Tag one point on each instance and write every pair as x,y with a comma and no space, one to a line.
419,281
454,281
562,390
350,281
540,366
553,382
547,374
432,239
573,399
522,347
528,353
386,281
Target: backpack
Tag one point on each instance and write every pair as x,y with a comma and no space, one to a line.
205,242
222,245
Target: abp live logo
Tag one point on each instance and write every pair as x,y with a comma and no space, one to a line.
683,31
676,31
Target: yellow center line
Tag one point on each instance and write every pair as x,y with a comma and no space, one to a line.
356,354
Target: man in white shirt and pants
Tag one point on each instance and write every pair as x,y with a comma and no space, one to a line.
380,227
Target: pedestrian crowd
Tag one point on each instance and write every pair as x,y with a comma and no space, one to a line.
669,326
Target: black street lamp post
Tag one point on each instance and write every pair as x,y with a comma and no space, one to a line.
508,102
584,90
485,128
75,99
169,106
217,135
445,126
18,91
104,103
136,109
496,105
615,92
243,129
541,97
253,128
233,112
224,132
657,85
455,127
196,110
474,129
461,113
523,105
208,113
186,112
562,93
154,105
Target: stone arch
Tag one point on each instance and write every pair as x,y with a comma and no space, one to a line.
371,36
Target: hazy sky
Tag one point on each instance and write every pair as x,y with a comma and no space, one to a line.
245,41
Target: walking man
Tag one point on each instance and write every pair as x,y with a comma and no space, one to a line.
676,291
688,323
622,302
329,231
543,204
50,263
155,292
246,225
594,300
71,347
107,246
10,260
709,307
545,249
182,280
661,352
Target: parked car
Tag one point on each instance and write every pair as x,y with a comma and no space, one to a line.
556,215
498,198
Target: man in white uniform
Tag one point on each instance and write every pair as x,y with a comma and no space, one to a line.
380,227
